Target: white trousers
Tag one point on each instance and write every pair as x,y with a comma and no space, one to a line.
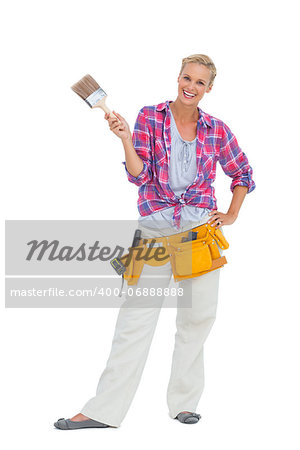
132,339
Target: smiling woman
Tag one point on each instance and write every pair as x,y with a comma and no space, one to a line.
194,81
171,156
184,131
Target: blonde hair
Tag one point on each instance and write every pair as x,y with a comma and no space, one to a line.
201,59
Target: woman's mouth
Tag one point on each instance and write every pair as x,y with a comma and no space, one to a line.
188,94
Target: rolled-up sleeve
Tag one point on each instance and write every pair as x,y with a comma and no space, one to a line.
234,162
142,144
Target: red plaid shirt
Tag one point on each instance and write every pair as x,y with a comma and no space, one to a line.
215,142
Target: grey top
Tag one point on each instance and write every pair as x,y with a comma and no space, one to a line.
182,172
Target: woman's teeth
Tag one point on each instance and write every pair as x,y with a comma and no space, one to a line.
187,94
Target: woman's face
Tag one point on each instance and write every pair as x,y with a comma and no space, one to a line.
193,83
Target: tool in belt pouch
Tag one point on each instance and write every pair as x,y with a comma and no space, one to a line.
191,253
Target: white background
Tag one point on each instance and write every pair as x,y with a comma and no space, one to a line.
60,161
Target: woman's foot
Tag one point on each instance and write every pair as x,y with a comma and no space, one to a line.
79,417
78,421
188,417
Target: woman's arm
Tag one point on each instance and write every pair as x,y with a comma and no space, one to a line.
137,147
235,164
134,163
239,193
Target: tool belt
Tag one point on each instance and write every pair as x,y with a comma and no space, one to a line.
192,253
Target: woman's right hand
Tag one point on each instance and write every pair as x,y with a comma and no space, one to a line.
119,128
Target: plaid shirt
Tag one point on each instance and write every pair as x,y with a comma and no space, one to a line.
215,142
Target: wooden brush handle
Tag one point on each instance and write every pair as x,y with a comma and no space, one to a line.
101,104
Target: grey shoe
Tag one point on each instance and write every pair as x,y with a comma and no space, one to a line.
188,417
67,424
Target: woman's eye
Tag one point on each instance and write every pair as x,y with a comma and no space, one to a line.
187,78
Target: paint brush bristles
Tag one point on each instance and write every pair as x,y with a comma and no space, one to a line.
85,87
89,90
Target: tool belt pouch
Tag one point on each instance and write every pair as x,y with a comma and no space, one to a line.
134,263
194,258
191,258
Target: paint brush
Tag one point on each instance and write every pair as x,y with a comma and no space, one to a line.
90,91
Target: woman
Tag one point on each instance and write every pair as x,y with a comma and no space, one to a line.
172,157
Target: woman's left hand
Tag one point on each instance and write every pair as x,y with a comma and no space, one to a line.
219,219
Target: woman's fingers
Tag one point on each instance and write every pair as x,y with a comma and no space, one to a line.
118,115
115,125
113,122
212,216
215,217
113,117
116,122
120,118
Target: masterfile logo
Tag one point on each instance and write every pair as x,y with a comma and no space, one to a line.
67,263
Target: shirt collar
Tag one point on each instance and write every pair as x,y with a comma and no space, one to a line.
203,117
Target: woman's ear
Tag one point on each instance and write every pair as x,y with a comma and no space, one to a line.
210,88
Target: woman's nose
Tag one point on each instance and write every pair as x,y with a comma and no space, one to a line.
192,85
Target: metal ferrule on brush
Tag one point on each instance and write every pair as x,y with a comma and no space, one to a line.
95,97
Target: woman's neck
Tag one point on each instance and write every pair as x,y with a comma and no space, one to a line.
184,113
